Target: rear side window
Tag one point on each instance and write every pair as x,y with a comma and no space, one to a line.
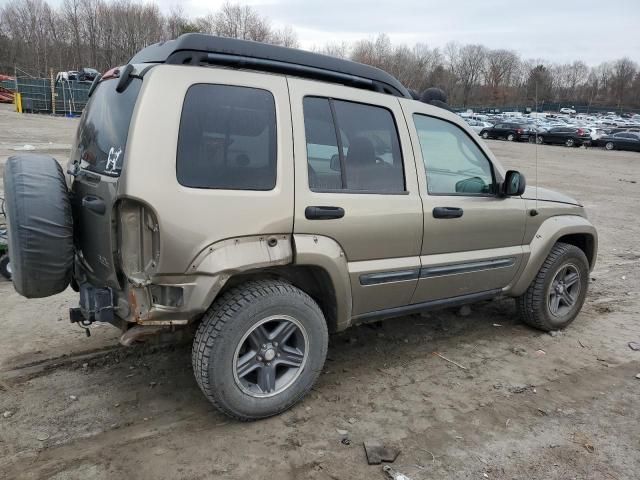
227,138
352,147
104,127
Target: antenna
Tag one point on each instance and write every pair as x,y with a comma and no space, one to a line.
536,153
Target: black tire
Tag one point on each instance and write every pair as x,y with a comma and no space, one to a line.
224,330
484,135
569,142
609,146
5,266
511,137
40,225
534,306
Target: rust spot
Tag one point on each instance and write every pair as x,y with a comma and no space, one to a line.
133,305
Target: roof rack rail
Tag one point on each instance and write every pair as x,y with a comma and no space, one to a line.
200,49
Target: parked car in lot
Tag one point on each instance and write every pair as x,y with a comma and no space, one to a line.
569,136
620,141
595,133
508,130
568,111
67,76
477,125
280,205
87,74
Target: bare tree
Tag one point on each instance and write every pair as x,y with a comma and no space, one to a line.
500,68
468,67
36,35
624,71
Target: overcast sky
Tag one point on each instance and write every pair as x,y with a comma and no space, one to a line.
557,30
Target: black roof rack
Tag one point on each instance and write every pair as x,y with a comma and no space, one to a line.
199,49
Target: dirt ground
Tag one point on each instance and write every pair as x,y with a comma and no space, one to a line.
527,405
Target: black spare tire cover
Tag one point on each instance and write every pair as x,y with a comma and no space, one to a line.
40,225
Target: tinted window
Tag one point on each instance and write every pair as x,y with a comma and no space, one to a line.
227,138
104,127
453,162
352,146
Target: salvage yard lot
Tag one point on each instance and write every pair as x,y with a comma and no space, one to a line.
526,405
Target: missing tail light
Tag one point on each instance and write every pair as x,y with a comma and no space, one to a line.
138,240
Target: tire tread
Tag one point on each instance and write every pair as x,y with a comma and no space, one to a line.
529,305
211,331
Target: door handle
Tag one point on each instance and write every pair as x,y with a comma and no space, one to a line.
323,213
447,212
94,204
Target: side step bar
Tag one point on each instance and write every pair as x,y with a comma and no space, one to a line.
424,306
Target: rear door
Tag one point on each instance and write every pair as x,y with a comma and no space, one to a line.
98,152
554,135
356,185
498,131
472,237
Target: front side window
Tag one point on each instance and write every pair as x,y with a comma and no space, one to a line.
454,164
227,138
352,147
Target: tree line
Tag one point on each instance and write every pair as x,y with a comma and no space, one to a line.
36,37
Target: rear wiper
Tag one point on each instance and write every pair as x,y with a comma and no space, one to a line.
76,171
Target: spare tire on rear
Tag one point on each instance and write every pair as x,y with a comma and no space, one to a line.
40,225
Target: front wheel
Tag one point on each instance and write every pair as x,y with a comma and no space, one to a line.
569,142
556,295
609,145
540,140
485,135
511,137
259,349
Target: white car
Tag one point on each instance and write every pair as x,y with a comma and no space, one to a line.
477,125
569,111
67,76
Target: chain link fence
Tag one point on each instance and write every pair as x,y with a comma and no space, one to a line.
40,96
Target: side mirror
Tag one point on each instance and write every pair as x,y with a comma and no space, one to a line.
514,184
335,163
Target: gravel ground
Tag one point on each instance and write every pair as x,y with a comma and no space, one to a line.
527,405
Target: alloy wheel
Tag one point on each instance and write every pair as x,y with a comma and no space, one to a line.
564,290
270,356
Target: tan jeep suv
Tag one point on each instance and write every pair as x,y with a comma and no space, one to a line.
272,196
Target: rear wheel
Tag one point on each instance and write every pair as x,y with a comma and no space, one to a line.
609,145
540,140
569,142
511,137
556,295
484,135
259,349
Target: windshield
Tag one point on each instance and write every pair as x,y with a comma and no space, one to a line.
104,127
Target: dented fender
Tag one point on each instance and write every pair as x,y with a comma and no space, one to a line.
206,275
